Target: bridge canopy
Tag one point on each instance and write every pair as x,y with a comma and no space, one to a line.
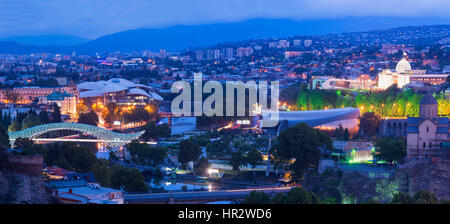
107,137
313,118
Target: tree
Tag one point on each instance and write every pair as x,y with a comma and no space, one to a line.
201,167
131,180
256,197
301,196
401,198
346,134
102,172
424,197
420,197
391,150
14,126
88,118
217,148
237,160
157,155
189,151
44,117
339,132
113,156
253,158
386,190
137,115
153,131
279,198
55,116
23,143
5,118
144,154
298,147
111,113
368,123
4,137
30,120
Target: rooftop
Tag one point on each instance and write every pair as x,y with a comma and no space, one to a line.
428,99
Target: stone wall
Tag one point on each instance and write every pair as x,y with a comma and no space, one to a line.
28,165
433,176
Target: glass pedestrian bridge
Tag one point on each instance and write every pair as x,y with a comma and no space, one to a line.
106,137
282,120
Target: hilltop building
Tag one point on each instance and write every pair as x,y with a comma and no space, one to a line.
404,75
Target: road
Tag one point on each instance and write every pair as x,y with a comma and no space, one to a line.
200,196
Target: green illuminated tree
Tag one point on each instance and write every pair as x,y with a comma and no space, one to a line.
386,190
402,198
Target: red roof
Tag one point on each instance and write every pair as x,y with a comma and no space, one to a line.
58,171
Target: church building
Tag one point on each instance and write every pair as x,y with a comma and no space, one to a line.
428,135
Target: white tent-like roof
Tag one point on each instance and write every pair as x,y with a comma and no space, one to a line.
136,91
96,89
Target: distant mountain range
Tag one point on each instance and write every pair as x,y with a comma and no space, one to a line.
48,40
180,37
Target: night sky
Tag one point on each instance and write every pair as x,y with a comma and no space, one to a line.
93,18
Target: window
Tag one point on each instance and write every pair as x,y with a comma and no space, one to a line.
427,129
424,145
429,144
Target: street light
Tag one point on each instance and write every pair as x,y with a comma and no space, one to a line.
407,109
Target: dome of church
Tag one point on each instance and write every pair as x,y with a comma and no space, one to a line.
402,66
428,99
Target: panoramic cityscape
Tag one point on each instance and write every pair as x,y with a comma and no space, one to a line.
245,106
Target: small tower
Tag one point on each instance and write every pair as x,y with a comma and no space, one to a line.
428,107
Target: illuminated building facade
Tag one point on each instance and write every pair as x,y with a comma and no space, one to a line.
120,91
29,93
404,75
329,82
66,102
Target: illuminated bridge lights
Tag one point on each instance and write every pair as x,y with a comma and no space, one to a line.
106,137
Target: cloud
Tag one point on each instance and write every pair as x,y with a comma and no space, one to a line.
92,18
